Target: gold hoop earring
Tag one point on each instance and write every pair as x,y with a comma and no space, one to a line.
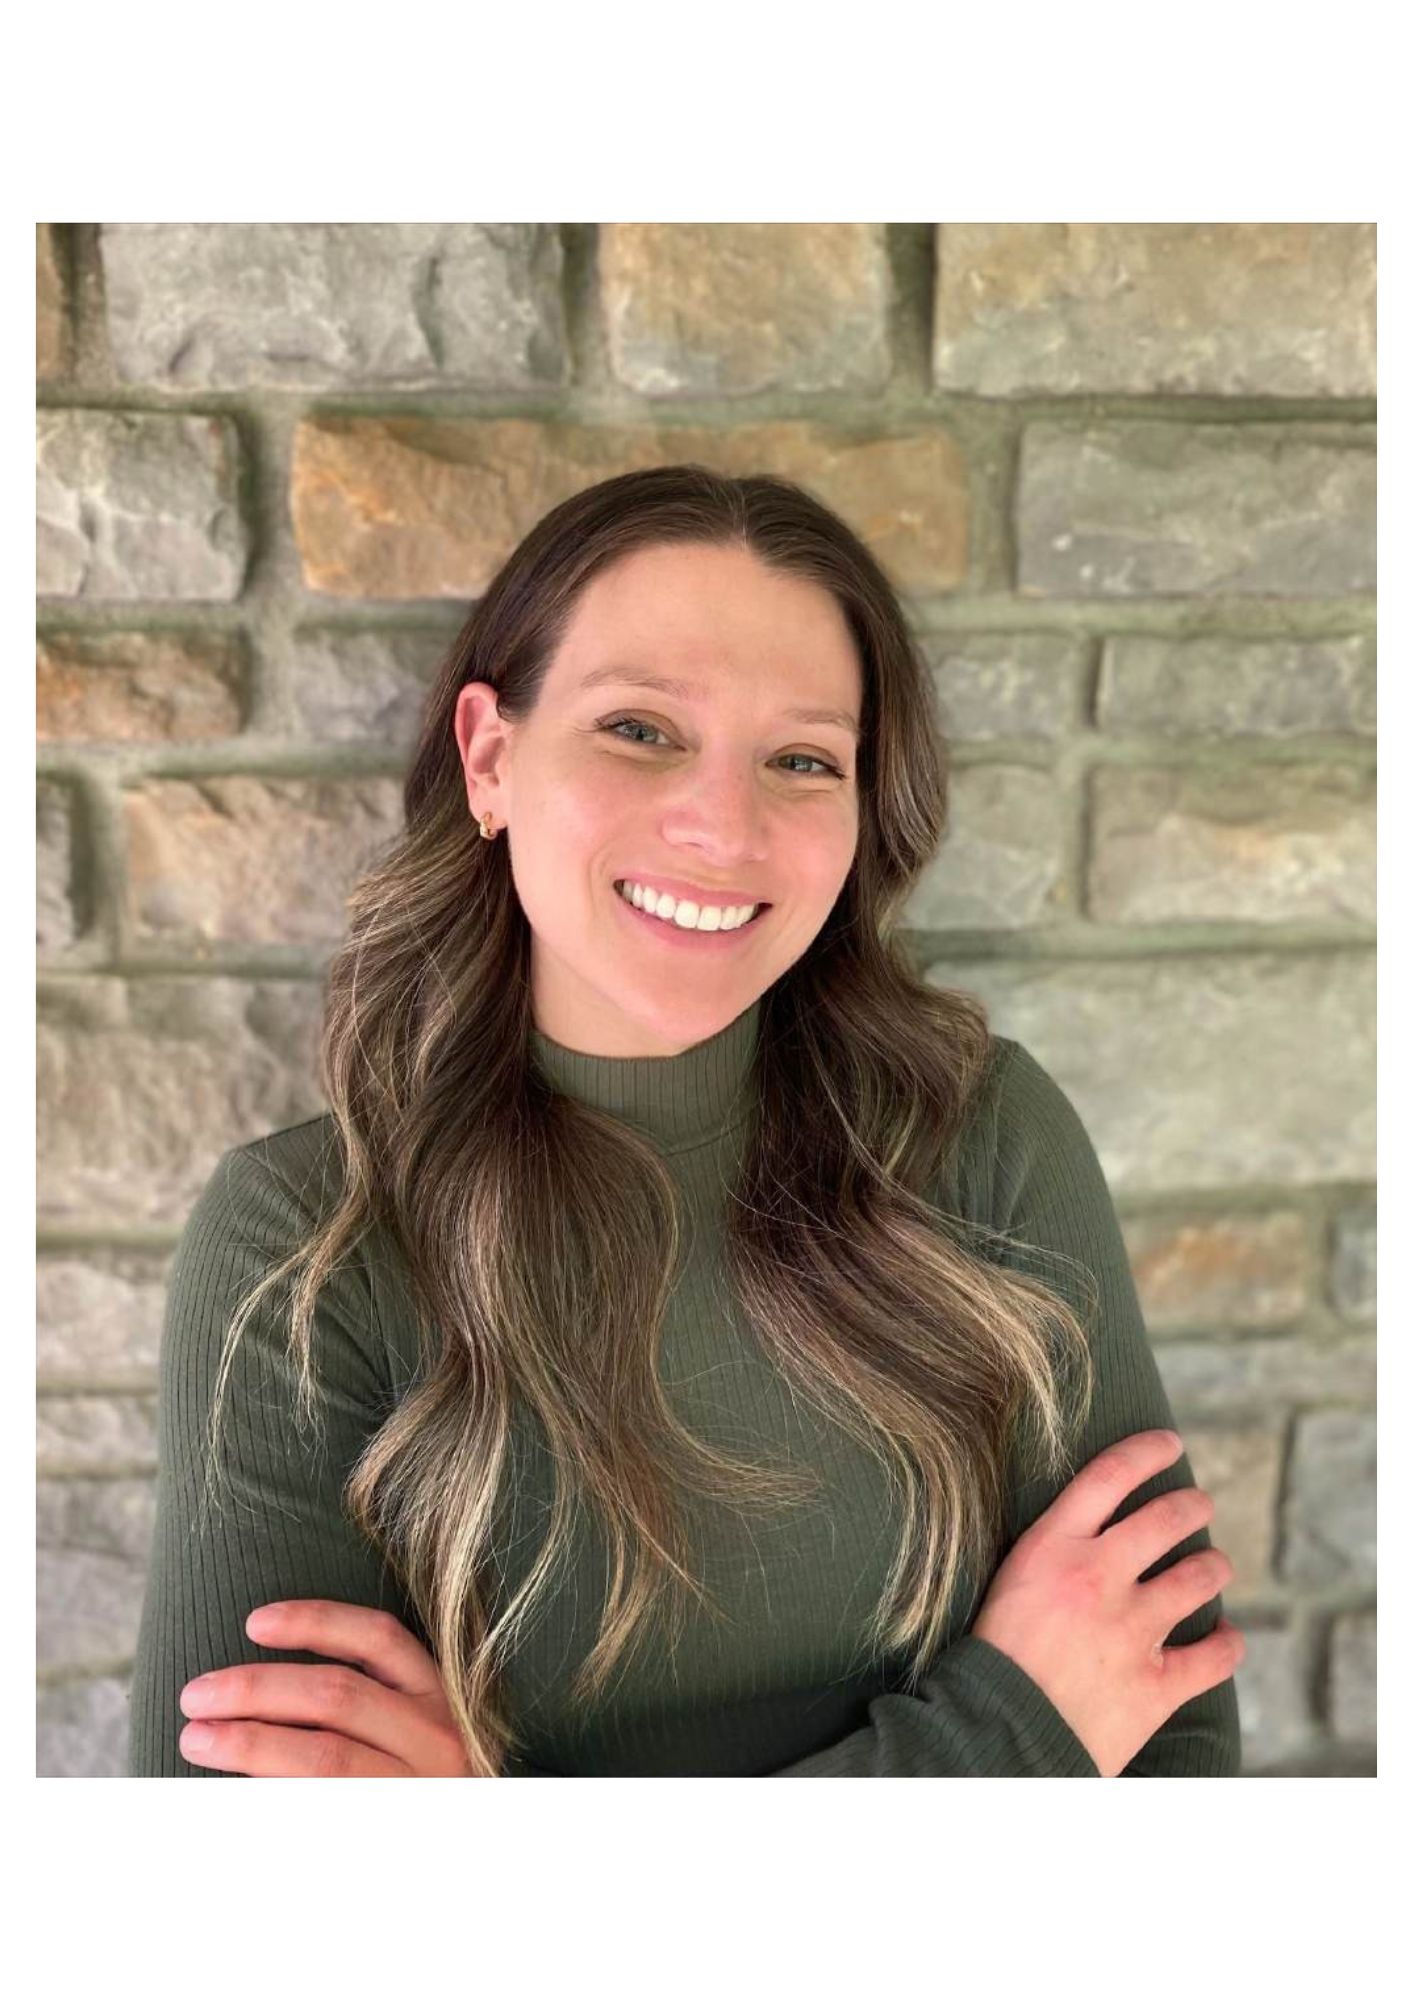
486,833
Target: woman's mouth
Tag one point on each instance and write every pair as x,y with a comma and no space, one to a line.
670,932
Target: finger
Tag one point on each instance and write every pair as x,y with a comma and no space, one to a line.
1193,1669
374,1640
1147,1535
258,1751
1084,1506
336,1698
1195,1581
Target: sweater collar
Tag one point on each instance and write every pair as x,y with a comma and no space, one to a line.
681,1101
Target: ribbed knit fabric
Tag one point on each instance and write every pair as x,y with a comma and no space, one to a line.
782,1684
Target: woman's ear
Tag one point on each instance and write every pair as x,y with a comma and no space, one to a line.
483,744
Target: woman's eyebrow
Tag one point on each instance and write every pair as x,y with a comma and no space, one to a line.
691,691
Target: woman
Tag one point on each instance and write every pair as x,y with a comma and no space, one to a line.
710,1351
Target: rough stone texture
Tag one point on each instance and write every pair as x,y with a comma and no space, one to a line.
363,687
421,507
94,1538
90,1434
1155,308
140,687
1241,1469
1272,843
299,304
53,324
1351,1692
1205,1271
1352,1287
99,1315
88,1608
1237,687
1216,1378
1163,509
136,505
143,1084
82,1729
58,919
1328,1526
732,308
1273,1699
252,860
1005,684
103,1517
1210,1070
1002,859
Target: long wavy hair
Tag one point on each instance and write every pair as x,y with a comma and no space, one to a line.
877,1303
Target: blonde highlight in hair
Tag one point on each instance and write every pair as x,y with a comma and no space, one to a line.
541,1238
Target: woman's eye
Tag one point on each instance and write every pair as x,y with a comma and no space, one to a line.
630,722
614,724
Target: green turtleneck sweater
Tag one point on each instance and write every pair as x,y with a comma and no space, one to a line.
782,1687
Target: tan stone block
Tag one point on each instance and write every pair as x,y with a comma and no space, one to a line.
421,507
713,308
252,860
53,330
1206,1271
1156,308
142,1084
153,687
1269,844
1241,1469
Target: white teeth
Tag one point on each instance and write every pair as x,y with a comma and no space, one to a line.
688,916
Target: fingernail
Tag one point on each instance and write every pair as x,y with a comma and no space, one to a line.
195,1695
197,1736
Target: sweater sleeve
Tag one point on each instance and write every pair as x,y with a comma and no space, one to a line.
978,1714
275,1526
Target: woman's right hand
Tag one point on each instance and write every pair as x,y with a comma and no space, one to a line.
1066,1604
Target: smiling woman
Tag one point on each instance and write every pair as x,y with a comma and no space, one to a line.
673,1351
714,803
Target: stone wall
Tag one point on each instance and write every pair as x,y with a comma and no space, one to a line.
1124,475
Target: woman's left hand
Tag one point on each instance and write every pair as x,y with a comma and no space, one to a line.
392,1721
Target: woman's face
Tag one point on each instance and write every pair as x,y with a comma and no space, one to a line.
719,790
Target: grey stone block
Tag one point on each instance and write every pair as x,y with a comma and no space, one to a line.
1002,862
297,304
1352,1291
1329,1521
1211,1377
1273,1698
1353,1663
59,919
99,1314
82,1729
1006,684
1203,1070
1157,686
136,504
1159,509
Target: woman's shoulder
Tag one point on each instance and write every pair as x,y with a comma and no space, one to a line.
1018,1116
288,1179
